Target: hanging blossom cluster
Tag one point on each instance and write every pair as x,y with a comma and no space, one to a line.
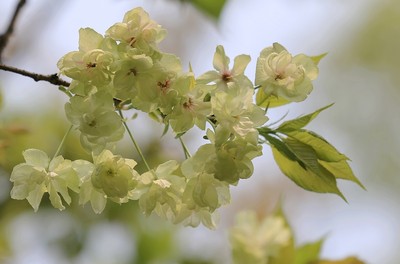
125,69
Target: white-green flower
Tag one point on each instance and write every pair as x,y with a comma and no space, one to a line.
234,109
94,116
223,74
282,75
255,240
160,190
39,175
137,30
110,177
191,109
91,64
114,175
88,193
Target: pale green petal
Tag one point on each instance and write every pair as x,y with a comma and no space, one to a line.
310,68
36,158
98,201
221,61
300,92
208,77
131,163
135,13
278,47
83,168
103,156
19,191
21,173
167,168
85,192
60,186
240,64
89,39
119,31
208,219
55,199
35,196
55,163
171,62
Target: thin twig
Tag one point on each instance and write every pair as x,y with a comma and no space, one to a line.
6,36
52,78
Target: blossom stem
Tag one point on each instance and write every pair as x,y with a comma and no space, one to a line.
62,142
185,149
134,141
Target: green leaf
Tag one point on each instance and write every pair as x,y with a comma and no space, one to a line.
324,150
308,156
316,178
318,58
212,8
341,170
312,151
270,101
300,122
282,147
308,253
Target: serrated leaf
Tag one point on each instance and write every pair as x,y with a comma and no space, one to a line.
326,155
307,156
341,170
318,58
324,150
269,101
212,8
300,122
348,260
306,178
308,253
282,147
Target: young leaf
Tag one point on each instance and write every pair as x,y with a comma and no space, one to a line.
318,58
308,156
341,170
305,178
282,147
300,122
308,253
265,100
324,150
325,155
212,8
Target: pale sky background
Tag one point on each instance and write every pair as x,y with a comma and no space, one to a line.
366,227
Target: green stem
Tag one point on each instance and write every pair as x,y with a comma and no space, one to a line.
134,141
62,142
185,149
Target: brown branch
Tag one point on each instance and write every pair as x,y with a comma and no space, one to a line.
10,29
52,78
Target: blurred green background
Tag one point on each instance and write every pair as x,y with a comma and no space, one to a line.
360,74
